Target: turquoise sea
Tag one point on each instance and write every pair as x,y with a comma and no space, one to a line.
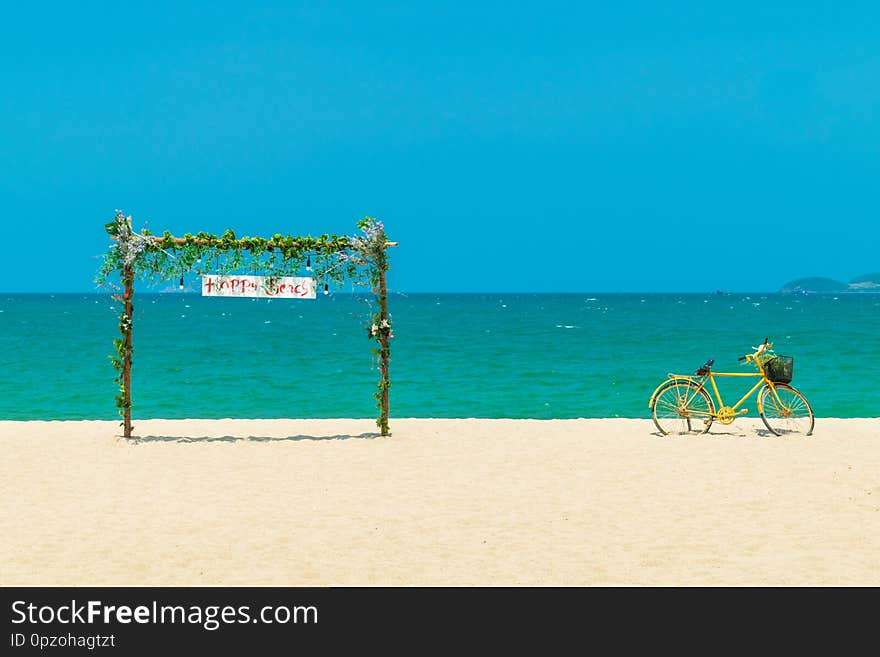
475,355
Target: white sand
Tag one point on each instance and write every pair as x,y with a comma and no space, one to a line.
458,502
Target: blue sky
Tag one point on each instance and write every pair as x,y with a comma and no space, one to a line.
509,146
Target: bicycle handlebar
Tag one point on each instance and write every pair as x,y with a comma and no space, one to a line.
760,349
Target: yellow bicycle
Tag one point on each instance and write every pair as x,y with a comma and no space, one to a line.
682,404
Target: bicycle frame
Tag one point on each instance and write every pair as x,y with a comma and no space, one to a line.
763,381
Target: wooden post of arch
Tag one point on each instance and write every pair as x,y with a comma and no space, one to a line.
128,282
384,356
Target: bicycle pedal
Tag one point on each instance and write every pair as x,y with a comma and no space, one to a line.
743,411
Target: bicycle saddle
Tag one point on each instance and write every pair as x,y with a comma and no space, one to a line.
705,369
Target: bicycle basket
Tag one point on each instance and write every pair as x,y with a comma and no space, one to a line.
779,369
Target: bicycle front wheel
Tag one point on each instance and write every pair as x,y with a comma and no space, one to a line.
785,410
682,407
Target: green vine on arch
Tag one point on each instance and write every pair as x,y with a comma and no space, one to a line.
361,260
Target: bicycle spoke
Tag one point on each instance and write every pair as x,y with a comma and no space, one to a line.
696,391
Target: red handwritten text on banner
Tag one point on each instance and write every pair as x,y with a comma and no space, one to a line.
287,287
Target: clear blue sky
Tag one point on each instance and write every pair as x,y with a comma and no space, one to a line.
508,146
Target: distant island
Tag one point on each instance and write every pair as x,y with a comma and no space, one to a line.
863,283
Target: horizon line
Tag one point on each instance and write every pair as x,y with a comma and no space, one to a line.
474,292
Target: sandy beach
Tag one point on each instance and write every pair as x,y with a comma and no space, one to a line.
440,502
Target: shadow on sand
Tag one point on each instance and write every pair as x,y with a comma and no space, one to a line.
257,439
762,433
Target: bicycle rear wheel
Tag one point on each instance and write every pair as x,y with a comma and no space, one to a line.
682,407
787,411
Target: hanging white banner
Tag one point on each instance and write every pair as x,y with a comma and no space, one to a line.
286,287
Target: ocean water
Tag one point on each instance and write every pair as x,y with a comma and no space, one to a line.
479,355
